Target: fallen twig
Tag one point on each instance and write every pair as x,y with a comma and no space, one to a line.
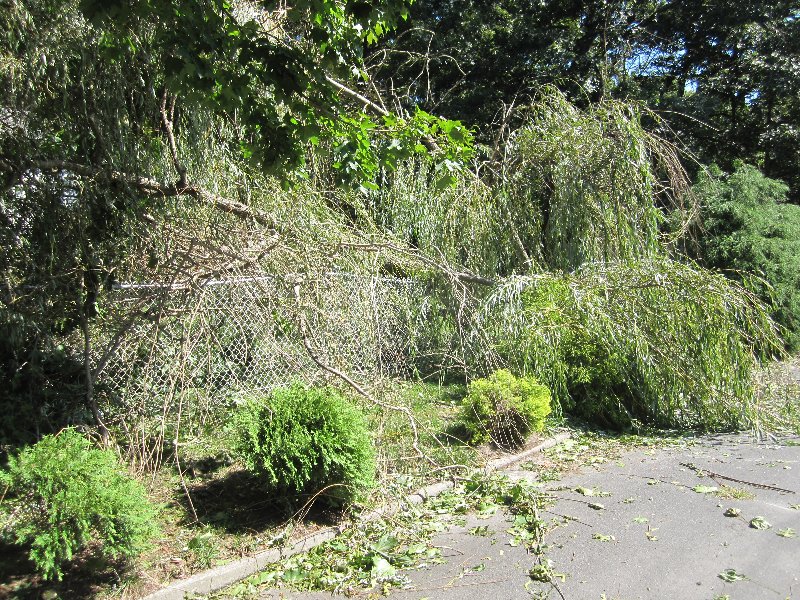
700,471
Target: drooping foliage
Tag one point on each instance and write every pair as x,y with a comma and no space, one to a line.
747,228
460,225
615,321
650,340
583,185
574,186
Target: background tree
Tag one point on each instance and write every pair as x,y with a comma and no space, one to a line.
472,59
721,77
748,228
727,82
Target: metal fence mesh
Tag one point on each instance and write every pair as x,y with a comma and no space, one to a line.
163,352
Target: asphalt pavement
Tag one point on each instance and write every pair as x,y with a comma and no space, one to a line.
661,526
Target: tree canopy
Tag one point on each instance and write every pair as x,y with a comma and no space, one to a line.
722,77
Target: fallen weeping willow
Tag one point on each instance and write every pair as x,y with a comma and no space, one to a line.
589,185
594,306
579,224
652,341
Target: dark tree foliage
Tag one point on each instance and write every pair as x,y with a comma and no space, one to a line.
472,59
722,76
749,229
726,78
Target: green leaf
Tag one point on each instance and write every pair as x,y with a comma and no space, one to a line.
381,568
787,533
730,575
476,568
641,520
759,523
732,512
482,530
385,544
293,575
705,489
603,538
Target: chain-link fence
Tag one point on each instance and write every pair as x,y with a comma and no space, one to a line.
166,353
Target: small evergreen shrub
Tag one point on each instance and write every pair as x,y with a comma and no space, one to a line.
65,494
302,441
505,409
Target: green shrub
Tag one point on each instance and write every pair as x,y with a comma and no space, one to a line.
505,409
65,494
302,441
655,341
748,228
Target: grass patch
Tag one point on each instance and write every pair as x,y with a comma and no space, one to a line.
733,493
441,438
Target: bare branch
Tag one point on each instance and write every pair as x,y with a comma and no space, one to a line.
152,187
344,377
354,94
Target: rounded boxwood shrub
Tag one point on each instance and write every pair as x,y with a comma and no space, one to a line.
65,494
302,441
504,409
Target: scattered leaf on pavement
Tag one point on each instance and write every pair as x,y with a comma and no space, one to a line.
293,575
730,575
705,489
759,523
382,569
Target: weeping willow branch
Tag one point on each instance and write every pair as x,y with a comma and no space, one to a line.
654,340
439,267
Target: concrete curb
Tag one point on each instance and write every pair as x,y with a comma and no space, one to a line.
217,578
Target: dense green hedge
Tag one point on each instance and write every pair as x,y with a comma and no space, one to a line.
64,495
504,409
302,441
